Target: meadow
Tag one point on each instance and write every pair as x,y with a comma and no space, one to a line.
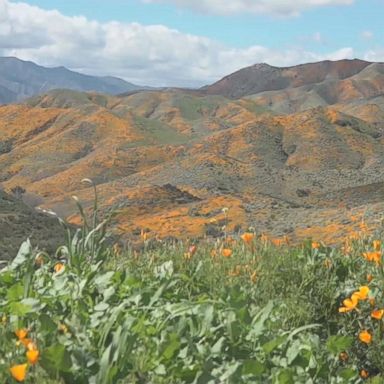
244,309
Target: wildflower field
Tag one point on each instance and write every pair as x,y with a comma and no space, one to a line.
234,310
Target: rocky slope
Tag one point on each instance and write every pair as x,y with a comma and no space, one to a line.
19,222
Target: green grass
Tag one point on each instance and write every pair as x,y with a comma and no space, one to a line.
157,132
173,314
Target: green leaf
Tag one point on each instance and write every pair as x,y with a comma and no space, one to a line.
22,256
273,344
253,367
18,308
47,324
101,307
348,373
172,346
56,359
15,292
285,377
338,344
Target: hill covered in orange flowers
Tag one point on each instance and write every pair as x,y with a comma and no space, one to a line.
299,158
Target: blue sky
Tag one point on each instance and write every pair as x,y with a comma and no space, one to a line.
338,25
194,42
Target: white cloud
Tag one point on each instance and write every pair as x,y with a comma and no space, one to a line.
277,7
153,55
367,35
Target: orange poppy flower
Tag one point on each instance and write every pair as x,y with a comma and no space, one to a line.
226,252
369,277
21,333
192,250
362,293
19,372
377,245
349,304
373,256
32,356
364,374
247,237
58,267
365,337
377,314
278,242
315,245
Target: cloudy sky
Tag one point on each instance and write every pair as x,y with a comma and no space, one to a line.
188,42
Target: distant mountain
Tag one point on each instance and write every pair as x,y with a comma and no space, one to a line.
22,79
263,77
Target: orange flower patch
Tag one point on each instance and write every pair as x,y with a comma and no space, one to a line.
377,314
226,252
21,333
376,245
373,256
349,304
58,267
364,374
32,356
19,372
365,337
247,237
315,245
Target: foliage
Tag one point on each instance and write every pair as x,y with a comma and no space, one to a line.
190,313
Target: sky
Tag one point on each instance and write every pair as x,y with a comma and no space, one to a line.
188,43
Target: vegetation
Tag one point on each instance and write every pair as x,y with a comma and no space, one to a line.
234,311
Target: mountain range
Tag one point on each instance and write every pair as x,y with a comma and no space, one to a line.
296,152
22,79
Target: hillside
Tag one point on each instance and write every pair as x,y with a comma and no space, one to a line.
22,79
263,77
19,222
168,162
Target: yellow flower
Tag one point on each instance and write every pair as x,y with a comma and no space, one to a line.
365,337
226,252
247,237
362,293
377,314
21,333
377,245
19,372
32,356
349,304
58,267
